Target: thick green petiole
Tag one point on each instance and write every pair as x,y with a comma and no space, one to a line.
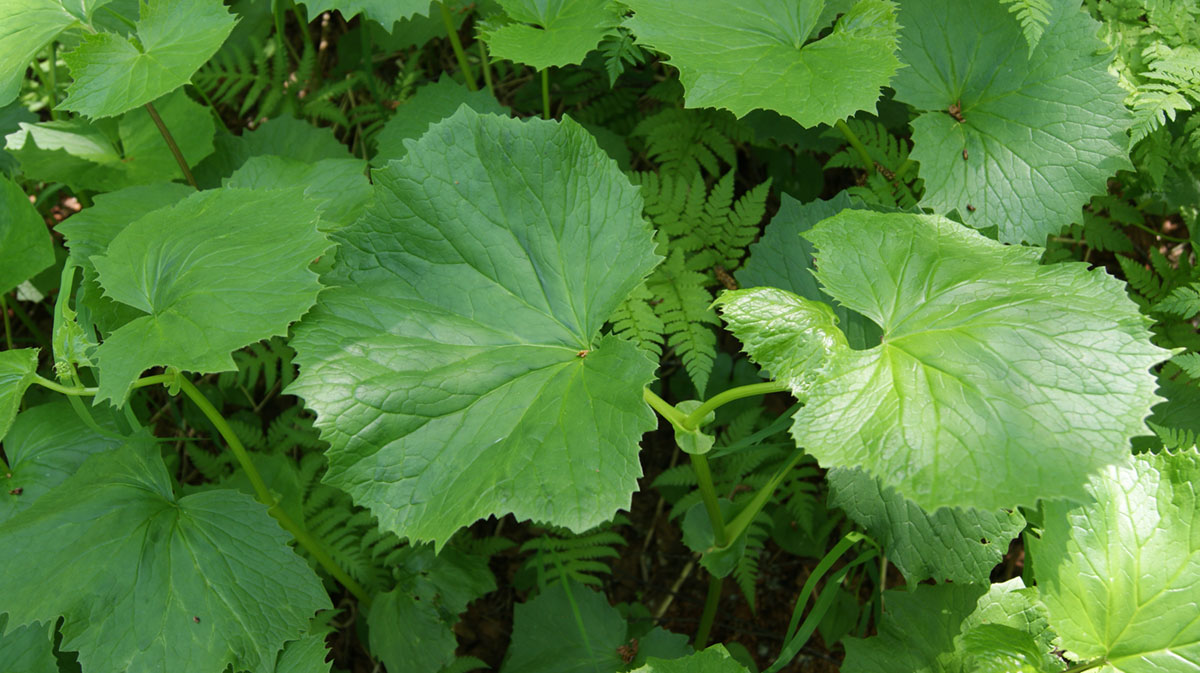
166,134
694,419
712,600
546,93
709,494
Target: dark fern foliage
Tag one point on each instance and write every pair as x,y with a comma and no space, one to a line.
560,554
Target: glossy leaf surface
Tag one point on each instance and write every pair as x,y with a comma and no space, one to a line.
190,584
456,368
1023,138
757,54
1120,574
217,271
998,381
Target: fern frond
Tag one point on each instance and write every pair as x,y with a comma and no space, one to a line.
635,319
1175,438
1189,363
618,50
687,316
683,142
579,558
745,572
1034,16
1168,87
1182,302
212,466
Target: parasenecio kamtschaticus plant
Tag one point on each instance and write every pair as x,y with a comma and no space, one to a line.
451,308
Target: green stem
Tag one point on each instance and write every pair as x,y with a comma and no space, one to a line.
302,536
665,409
80,391
1086,665
709,493
745,517
546,93
487,68
7,325
711,601
695,418
456,44
856,144
52,76
23,316
166,134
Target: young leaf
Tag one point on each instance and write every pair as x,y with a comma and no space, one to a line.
456,370
958,545
46,445
998,381
753,54
217,271
25,27
17,369
1120,574
543,34
25,246
174,38
431,104
1040,131
194,584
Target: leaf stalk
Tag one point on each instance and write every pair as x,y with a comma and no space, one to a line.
166,134
456,45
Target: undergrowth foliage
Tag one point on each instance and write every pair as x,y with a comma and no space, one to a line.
528,336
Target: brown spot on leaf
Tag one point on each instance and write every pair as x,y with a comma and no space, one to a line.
955,111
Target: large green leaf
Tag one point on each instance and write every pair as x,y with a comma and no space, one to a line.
46,445
998,381
285,137
1040,132
958,628
17,369
431,104
217,271
190,584
25,27
106,156
1120,574
338,186
959,545
756,54
545,33
25,246
457,370
782,258
174,38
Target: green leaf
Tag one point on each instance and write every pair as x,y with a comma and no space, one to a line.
950,544
715,659
193,584
542,34
431,104
338,186
218,271
285,137
25,27
757,54
384,12
456,369
411,625
698,535
1042,132
111,154
695,440
174,38
17,369
25,245
46,445
956,628
306,655
797,339
26,649
782,258
1119,574
91,230
998,381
